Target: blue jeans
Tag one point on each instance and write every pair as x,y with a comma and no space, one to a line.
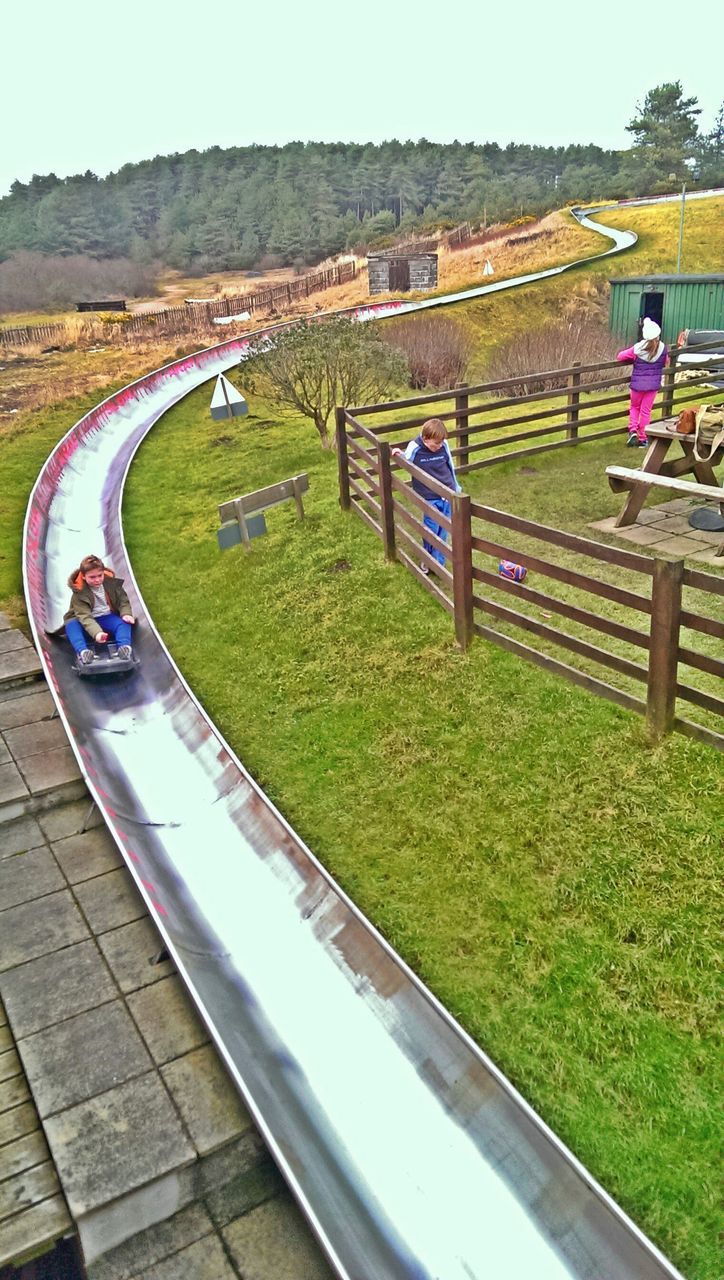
443,506
110,622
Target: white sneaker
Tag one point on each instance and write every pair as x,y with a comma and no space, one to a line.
423,567
86,656
124,652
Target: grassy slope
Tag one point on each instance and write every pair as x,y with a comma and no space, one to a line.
499,317
542,869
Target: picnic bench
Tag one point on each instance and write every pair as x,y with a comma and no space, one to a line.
658,469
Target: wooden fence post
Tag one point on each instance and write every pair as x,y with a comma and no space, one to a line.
573,402
462,423
462,566
386,511
342,460
667,399
663,646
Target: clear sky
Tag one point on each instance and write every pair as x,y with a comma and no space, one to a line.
94,86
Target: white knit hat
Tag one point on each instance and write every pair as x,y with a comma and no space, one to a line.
650,329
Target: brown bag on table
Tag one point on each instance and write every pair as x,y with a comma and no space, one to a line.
686,422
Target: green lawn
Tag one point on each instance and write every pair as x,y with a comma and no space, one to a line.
549,875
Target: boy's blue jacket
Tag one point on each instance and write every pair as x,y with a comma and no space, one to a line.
437,463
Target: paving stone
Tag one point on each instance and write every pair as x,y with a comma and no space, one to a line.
26,708
12,786
110,900
28,876
18,1122
681,546
12,1094
5,757
36,928
204,1260
6,1039
709,557
11,639
238,1156
116,1142
649,515
24,1234
50,770
24,1153
644,535
245,1191
34,739
9,1065
134,1256
203,1093
70,819
672,525
89,854
708,535
19,835
19,664
27,1188
4,622
129,952
274,1242
38,994
167,1020
676,505
83,1056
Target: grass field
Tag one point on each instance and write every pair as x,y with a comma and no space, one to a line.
549,875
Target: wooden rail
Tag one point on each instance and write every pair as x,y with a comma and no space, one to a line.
481,436
645,611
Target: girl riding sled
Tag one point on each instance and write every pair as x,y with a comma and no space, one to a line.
99,608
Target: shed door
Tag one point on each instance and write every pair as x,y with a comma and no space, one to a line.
652,305
400,275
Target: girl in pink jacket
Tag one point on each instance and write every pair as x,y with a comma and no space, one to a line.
649,358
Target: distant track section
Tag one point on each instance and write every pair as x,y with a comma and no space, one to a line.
410,1153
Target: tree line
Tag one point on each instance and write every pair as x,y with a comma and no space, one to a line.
242,207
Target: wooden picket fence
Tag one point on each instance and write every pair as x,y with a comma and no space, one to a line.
657,616
185,319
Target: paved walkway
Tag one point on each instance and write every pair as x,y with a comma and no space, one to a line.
117,1120
666,528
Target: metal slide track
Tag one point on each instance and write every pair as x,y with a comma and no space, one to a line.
411,1155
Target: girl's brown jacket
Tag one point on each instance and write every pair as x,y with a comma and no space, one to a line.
81,602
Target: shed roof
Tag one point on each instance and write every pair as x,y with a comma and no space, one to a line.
711,279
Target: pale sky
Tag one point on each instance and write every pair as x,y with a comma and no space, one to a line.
95,86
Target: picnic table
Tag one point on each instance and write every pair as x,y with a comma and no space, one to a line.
656,464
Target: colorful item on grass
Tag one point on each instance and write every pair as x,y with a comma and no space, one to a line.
512,571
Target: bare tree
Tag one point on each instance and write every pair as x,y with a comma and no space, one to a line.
315,366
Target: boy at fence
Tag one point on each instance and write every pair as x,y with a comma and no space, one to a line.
430,452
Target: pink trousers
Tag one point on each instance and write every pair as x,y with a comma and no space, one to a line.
640,412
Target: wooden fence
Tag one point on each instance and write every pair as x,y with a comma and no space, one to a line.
656,615
569,404
185,319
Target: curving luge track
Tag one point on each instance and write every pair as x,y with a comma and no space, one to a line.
410,1153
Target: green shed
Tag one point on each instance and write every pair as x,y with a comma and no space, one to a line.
674,302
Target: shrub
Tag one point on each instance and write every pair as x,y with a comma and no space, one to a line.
556,346
437,349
